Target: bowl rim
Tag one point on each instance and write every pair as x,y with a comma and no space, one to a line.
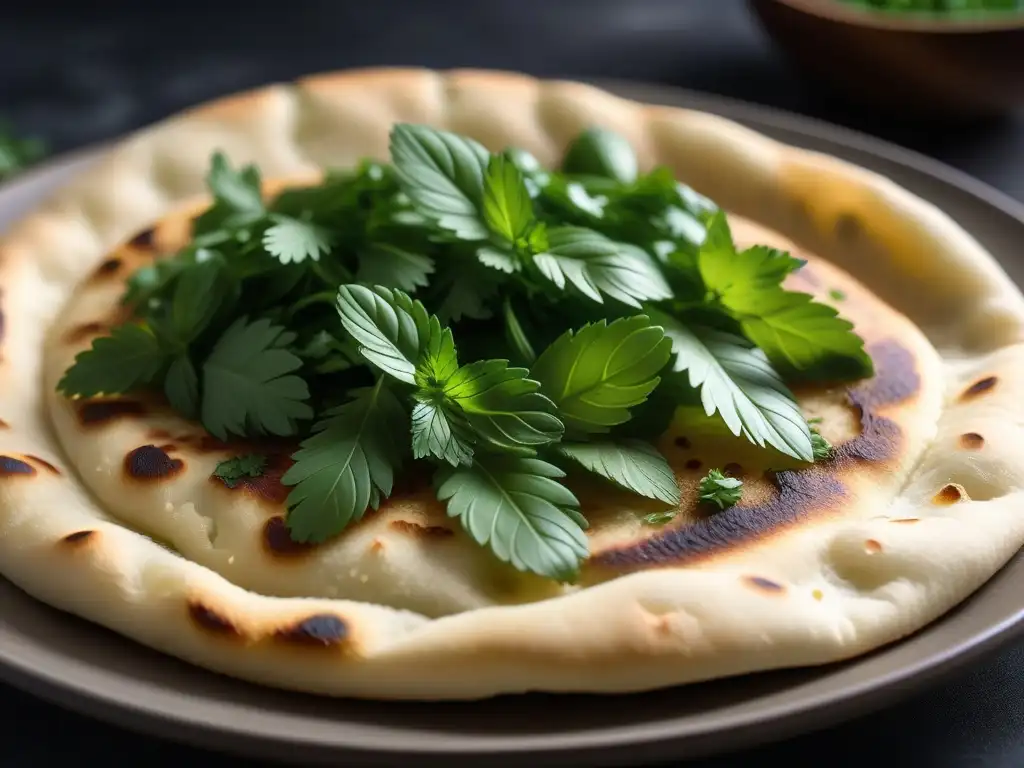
839,12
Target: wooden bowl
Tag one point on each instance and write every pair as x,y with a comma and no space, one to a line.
908,66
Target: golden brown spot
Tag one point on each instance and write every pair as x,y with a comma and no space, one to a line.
320,630
980,387
10,466
83,332
682,442
4,424
208,619
972,441
950,494
848,227
693,464
147,462
44,464
107,269
406,526
906,520
95,412
279,542
78,537
872,546
732,469
763,584
818,595
377,546
144,239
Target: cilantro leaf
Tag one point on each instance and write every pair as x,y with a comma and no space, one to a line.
805,339
347,464
442,173
439,429
634,465
516,506
508,209
595,265
504,407
234,469
594,376
383,264
129,358
238,191
181,386
737,381
292,240
248,382
600,152
740,278
715,488
389,327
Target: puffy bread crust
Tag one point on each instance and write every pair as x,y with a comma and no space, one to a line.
839,588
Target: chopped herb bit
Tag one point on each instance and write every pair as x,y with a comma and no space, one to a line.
720,490
233,470
836,295
821,447
472,311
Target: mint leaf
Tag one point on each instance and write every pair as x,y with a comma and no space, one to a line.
508,210
182,387
389,327
440,430
293,240
347,465
715,488
597,374
129,358
737,381
631,464
600,152
231,471
383,264
442,173
248,382
805,339
504,407
516,506
595,265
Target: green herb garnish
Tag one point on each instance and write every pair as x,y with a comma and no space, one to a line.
476,313
720,490
16,153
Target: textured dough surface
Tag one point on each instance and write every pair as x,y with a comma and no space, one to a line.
107,509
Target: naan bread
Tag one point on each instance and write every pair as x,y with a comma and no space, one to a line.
108,509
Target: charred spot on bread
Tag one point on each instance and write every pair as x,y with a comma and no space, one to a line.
149,462
763,584
100,411
78,537
980,387
278,542
210,620
320,629
9,466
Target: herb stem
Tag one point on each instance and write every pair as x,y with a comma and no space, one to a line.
321,297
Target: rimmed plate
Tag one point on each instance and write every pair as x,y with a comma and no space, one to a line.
85,667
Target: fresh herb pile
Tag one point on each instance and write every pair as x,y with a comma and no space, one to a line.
475,312
952,8
17,153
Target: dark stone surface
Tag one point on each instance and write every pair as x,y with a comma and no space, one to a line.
78,73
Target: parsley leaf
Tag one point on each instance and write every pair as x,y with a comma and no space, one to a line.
715,488
234,192
469,288
516,506
293,240
504,407
182,387
232,470
740,278
600,152
248,382
508,210
631,464
346,465
595,265
200,290
442,173
737,381
805,339
129,358
383,264
594,376
439,429
388,326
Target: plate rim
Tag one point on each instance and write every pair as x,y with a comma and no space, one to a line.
615,743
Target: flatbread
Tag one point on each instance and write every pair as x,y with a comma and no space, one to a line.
108,510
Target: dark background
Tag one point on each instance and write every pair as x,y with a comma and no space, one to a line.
76,73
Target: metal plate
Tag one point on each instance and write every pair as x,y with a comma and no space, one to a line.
85,667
